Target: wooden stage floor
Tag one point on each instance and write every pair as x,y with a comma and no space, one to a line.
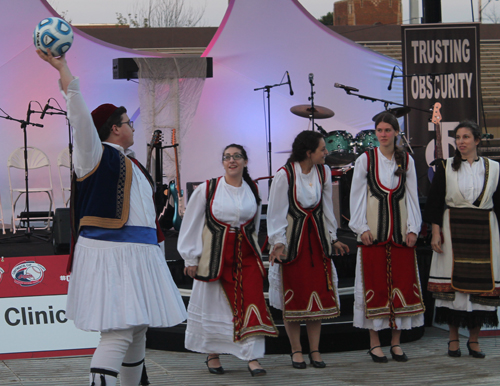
428,365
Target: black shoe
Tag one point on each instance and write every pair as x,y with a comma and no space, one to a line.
456,353
214,370
474,353
319,365
376,358
256,372
297,365
397,357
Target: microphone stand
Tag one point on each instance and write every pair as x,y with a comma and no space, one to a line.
24,123
311,98
386,102
267,89
59,111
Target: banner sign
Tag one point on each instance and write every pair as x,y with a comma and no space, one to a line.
33,310
441,64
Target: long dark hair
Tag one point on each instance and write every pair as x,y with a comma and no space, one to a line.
246,175
305,141
399,154
476,133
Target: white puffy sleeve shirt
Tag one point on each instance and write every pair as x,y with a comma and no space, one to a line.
232,205
309,190
359,191
88,152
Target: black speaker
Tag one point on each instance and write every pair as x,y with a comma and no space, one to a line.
431,10
61,236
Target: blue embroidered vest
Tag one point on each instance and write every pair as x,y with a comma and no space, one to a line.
102,197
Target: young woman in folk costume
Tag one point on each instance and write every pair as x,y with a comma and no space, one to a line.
463,207
227,313
302,229
385,214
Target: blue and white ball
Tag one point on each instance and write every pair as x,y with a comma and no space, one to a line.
53,33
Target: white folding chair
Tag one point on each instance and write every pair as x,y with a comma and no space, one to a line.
37,159
63,162
1,216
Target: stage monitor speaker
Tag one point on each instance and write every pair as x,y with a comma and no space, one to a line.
126,68
61,236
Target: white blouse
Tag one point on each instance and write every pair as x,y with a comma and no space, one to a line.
471,180
308,188
386,168
232,205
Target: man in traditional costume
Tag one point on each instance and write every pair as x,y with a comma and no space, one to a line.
120,283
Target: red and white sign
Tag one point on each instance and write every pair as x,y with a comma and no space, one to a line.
33,310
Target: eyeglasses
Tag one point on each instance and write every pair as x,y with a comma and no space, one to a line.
236,157
129,122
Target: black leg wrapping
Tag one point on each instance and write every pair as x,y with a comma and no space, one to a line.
133,364
144,377
102,373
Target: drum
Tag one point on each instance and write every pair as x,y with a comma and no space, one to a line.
366,139
340,150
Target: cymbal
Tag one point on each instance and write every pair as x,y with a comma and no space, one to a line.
306,111
282,151
398,112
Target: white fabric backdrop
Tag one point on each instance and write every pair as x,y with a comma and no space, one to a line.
24,77
257,42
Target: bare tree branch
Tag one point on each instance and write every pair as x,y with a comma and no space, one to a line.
163,13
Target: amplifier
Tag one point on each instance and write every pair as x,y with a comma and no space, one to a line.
490,148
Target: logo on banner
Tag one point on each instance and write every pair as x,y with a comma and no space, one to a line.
28,273
1,274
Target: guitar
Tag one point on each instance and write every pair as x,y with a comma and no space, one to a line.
160,198
438,147
175,190
155,138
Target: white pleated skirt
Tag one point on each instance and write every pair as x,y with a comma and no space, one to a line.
121,285
462,303
210,326
360,320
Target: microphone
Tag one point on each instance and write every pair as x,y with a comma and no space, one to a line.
311,78
289,83
346,88
392,77
321,130
44,110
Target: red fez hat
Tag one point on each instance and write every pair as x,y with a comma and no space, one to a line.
101,114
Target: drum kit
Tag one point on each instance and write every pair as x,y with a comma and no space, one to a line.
343,148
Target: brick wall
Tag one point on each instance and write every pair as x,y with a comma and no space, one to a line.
367,12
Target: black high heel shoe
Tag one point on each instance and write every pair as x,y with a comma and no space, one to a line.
474,353
398,357
317,364
256,372
454,353
297,365
376,358
214,370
